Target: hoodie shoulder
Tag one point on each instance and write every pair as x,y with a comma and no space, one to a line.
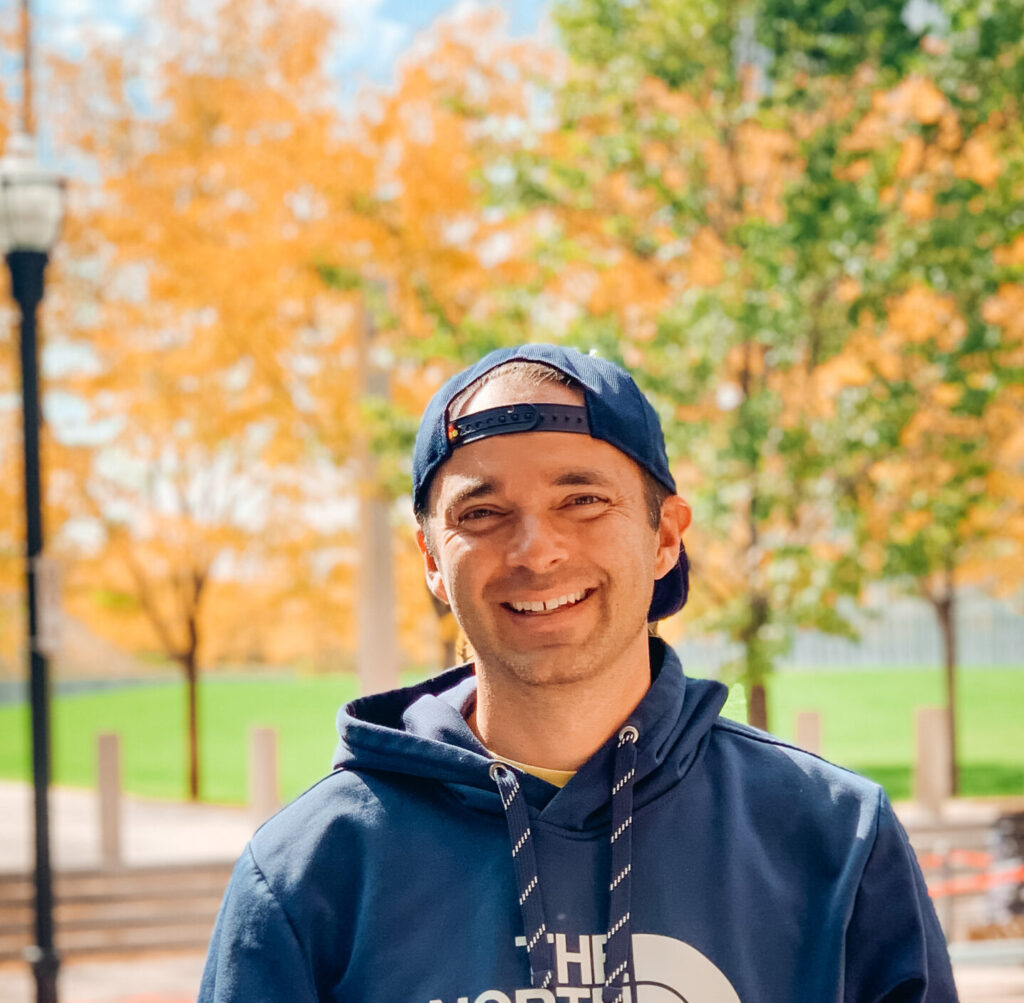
755,742
774,779
297,832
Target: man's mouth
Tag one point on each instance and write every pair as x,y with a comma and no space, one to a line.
547,605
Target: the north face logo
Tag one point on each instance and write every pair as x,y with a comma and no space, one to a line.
667,971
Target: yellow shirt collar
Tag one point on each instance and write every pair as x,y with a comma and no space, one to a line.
559,778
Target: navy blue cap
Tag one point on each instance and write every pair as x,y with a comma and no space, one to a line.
614,410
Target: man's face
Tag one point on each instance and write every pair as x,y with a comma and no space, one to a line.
541,544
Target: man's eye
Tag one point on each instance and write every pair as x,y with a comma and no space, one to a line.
586,500
475,514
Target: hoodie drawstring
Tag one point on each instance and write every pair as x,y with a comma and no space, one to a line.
618,949
619,942
538,949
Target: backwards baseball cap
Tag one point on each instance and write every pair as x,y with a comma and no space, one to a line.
614,410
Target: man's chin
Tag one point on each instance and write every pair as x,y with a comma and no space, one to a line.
556,666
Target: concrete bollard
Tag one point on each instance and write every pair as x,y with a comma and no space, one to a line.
264,799
108,777
931,762
808,731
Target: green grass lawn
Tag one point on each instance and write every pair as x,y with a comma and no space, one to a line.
867,724
151,723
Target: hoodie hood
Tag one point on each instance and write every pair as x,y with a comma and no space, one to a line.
421,731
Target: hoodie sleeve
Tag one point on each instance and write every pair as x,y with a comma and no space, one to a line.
895,948
254,954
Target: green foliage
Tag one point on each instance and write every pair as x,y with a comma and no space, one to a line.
391,437
337,277
783,135
837,36
676,42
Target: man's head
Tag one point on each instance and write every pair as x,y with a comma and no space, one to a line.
557,543
614,410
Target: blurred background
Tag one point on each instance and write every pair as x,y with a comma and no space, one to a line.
800,224
286,224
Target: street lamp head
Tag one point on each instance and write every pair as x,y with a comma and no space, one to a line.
31,199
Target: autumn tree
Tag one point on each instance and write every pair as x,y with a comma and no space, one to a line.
938,403
702,207
193,292
421,253
690,219
241,233
12,547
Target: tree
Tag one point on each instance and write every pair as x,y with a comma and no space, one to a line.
12,548
938,345
421,254
179,559
692,221
191,287
241,231
716,206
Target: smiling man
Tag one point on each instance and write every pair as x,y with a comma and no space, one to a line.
547,547
567,817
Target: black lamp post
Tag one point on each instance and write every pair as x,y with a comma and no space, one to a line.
31,208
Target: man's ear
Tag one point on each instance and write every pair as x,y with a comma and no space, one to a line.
433,573
675,517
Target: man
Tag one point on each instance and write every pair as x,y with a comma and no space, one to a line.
567,817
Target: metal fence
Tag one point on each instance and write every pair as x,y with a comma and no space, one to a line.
895,631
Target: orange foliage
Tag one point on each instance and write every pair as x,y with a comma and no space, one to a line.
978,161
1006,310
707,258
923,315
767,163
1012,254
233,243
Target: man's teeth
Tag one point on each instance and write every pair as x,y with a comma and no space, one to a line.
542,605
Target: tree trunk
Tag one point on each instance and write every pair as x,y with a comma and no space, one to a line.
945,610
191,680
757,706
757,695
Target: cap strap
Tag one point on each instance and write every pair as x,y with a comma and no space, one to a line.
517,418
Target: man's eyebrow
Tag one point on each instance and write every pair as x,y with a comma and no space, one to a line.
584,477
474,489
581,477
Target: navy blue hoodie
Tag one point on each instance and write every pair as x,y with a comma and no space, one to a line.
760,873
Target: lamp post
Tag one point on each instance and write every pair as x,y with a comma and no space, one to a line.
31,208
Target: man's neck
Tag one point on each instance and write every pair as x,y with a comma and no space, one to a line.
560,726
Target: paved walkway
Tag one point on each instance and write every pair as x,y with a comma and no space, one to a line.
161,832
153,832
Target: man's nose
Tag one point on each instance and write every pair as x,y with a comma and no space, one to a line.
536,544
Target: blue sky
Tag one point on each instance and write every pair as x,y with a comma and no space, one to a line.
377,31
381,30
375,34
